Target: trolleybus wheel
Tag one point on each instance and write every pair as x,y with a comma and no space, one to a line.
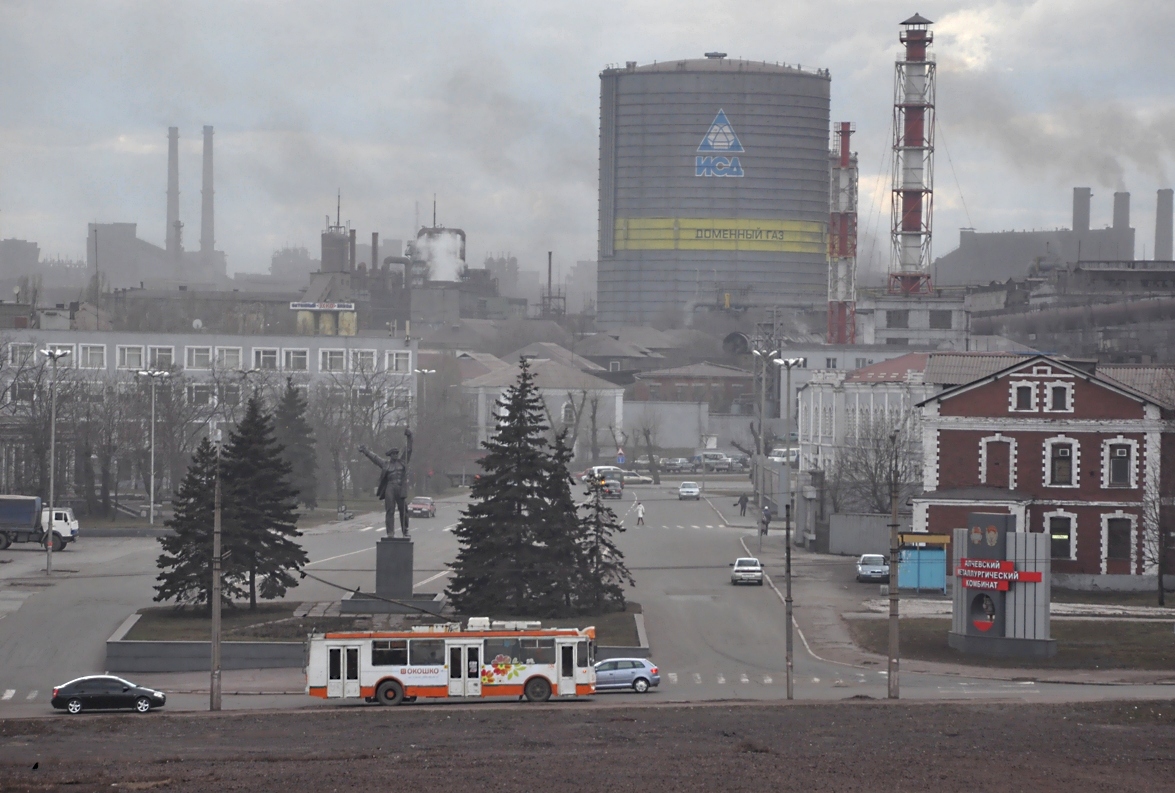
537,690
389,693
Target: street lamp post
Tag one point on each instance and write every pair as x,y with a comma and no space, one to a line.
53,355
214,600
424,383
153,375
764,357
789,508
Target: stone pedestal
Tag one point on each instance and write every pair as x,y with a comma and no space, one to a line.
393,568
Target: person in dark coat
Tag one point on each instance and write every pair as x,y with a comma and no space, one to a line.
742,505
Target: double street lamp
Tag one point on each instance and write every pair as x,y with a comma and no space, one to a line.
789,509
154,375
54,354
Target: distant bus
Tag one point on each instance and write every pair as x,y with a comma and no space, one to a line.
487,659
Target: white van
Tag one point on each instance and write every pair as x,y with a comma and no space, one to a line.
603,472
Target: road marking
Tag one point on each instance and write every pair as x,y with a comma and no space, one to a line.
814,680
340,556
32,695
427,580
766,680
881,672
450,527
697,678
709,527
721,680
9,693
681,527
741,678
695,527
673,678
365,528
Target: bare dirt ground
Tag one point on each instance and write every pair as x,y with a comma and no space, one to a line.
728,747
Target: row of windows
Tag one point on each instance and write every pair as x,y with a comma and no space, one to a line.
135,357
1058,398
1063,472
939,319
209,394
1118,537
431,652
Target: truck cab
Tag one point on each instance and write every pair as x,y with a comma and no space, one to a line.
25,519
64,523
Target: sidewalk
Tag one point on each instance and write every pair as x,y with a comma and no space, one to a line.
727,510
821,605
232,681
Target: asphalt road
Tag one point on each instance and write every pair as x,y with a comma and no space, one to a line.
711,640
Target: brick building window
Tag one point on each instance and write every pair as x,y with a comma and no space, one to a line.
1060,397
1061,464
1120,465
940,320
897,318
1118,538
1023,397
1061,531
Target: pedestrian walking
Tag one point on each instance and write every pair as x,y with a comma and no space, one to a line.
742,505
640,514
766,517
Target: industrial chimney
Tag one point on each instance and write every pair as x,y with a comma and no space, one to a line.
173,192
1081,196
207,219
1121,210
1163,225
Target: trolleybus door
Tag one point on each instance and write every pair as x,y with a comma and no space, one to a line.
464,669
342,678
566,670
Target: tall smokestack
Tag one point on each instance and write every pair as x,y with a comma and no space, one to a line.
1122,210
1163,225
374,251
351,255
173,191
207,220
1081,196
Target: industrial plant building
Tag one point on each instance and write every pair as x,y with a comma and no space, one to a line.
714,187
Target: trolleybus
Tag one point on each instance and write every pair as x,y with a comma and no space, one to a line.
486,659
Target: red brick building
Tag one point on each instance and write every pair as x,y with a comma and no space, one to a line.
1072,448
716,384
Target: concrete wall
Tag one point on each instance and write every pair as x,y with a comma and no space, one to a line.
674,425
1111,583
146,656
858,533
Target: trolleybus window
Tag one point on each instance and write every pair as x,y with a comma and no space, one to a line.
426,652
389,652
538,651
503,651
581,655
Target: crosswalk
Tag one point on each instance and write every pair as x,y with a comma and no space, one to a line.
11,600
11,694
737,679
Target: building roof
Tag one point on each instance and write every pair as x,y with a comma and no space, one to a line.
1156,381
644,336
554,352
895,370
602,345
698,370
548,374
956,368
722,65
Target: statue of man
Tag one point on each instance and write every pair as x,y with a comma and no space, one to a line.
393,484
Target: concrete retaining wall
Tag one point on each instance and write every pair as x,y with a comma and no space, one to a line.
641,651
853,534
150,656
1111,583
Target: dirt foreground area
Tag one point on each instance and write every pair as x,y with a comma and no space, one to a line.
752,747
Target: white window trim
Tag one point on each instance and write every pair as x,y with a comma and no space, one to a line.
69,362
1106,517
1012,453
322,353
1072,516
218,350
1048,394
282,359
1119,441
87,347
277,354
211,358
122,348
157,347
390,356
29,359
1049,443
1016,384
374,359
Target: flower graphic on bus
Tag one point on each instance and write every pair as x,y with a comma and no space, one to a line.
501,669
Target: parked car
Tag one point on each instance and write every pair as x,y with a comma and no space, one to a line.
601,472
613,488
872,567
639,674
422,507
642,463
105,692
712,461
689,490
782,456
747,570
633,478
675,465
740,462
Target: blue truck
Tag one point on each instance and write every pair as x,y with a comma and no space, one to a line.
23,519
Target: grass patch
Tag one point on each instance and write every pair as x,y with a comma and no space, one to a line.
1081,644
271,622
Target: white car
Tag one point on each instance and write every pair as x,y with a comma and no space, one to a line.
689,490
872,567
747,570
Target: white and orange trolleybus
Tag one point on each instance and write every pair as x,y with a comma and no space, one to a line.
486,659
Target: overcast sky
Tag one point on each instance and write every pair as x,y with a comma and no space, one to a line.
494,106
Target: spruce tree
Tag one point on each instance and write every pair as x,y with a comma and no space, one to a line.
293,432
500,565
558,536
258,510
186,562
603,573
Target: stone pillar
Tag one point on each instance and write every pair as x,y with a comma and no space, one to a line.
393,568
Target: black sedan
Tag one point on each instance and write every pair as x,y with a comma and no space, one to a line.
105,692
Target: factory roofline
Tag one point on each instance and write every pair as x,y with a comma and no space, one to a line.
719,65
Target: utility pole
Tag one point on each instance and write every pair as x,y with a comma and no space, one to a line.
893,567
764,357
53,355
214,683
789,509
787,603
